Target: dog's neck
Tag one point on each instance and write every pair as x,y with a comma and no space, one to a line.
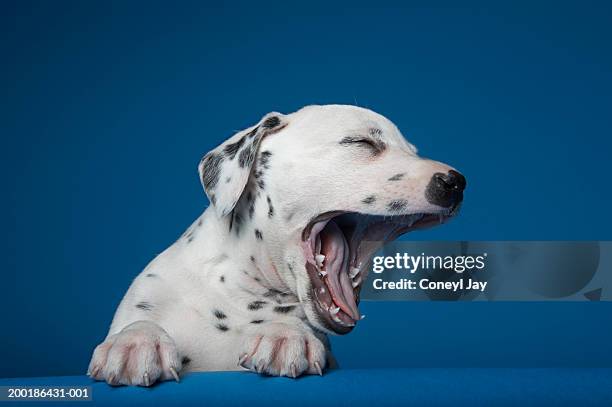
251,265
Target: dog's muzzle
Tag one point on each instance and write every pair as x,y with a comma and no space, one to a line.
446,190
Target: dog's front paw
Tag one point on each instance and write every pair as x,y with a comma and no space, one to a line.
141,354
279,349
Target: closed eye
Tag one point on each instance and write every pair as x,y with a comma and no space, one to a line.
374,145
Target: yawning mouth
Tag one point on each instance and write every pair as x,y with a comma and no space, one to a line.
338,246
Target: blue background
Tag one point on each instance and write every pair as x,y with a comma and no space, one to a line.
107,108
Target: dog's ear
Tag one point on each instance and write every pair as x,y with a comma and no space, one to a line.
225,171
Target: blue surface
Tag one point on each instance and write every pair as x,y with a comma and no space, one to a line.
379,387
478,334
108,106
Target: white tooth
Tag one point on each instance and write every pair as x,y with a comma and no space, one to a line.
334,311
354,272
341,322
322,273
338,320
356,282
320,258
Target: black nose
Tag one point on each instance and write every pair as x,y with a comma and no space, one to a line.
445,190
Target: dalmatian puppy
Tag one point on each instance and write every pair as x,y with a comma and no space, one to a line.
299,204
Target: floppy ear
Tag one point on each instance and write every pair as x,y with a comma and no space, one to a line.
225,171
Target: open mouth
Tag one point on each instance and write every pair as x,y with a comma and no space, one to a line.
338,246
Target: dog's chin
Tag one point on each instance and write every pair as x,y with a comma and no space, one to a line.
338,246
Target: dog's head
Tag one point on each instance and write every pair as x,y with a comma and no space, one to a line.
318,191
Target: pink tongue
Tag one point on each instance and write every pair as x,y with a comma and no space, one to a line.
336,251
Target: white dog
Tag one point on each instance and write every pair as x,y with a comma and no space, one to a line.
277,262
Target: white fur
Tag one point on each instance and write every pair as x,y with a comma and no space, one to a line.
309,173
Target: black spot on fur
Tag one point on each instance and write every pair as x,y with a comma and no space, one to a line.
219,314
222,279
252,259
397,177
284,310
257,279
145,306
369,199
150,275
397,205
228,180
272,292
257,321
199,222
271,122
235,222
264,159
261,184
211,164
213,199
222,327
258,234
185,360
251,210
255,305
232,149
270,207
253,132
247,155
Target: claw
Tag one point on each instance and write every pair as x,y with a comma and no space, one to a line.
175,374
293,371
242,359
354,272
145,379
94,373
318,367
111,379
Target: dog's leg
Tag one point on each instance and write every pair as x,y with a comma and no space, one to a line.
283,349
140,354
